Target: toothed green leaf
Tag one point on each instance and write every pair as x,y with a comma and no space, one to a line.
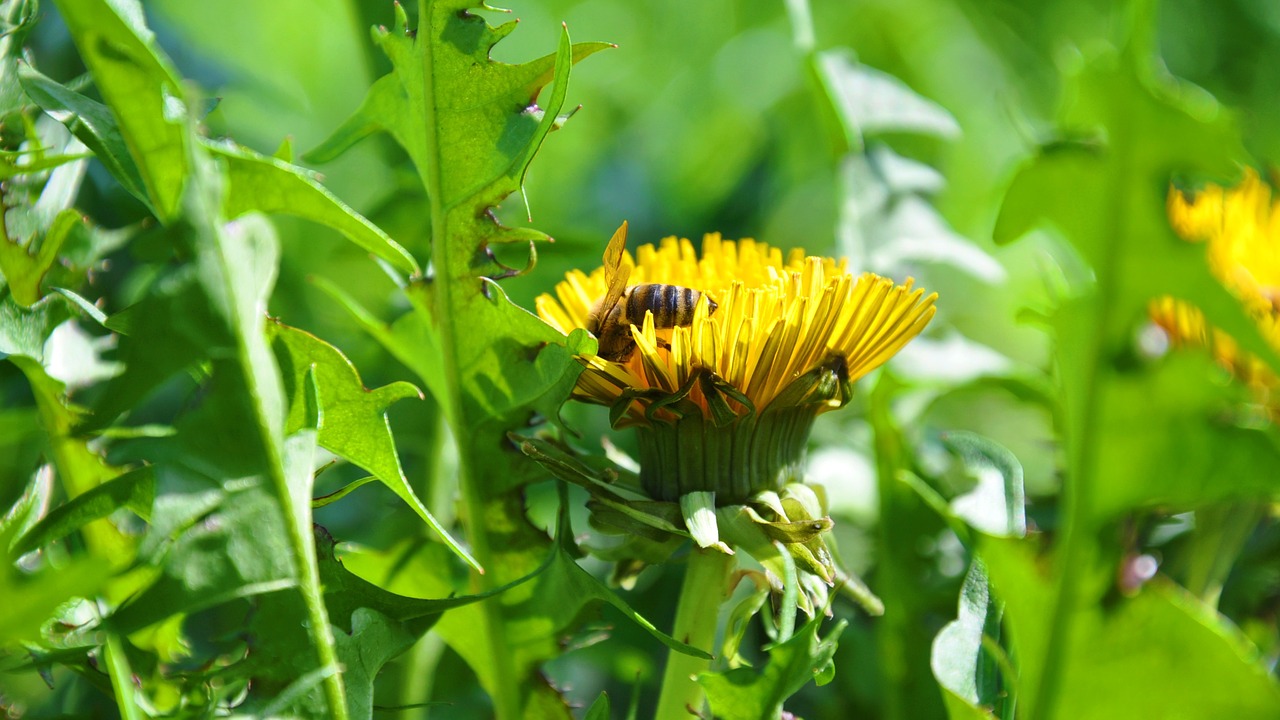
751,694
354,419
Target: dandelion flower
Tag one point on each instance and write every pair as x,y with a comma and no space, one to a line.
1241,227
724,402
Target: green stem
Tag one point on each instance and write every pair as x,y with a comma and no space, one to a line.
294,506
302,545
449,310
898,668
1076,565
121,678
1221,532
419,671
705,584
297,520
417,684
1078,552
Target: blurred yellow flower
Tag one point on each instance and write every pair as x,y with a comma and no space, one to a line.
724,401
1241,226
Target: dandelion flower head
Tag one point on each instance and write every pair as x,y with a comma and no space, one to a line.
776,320
1241,226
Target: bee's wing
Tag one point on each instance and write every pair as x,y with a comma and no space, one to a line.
616,273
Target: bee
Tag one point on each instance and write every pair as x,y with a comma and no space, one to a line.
623,306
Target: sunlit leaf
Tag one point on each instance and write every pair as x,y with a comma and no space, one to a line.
471,126
968,676
962,657
1151,131
19,18
374,641
354,424
257,183
751,694
91,122
134,490
1179,451
24,331
23,334
23,269
225,525
1136,433
997,503
1162,638
142,89
871,102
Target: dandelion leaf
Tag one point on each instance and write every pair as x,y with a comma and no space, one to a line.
224,525
142,89
80,469
471,126
19,18
758,694
353,419
1154,654
255,182
134,489
374,625
1107,197
965,670
258,183
91,122
23,269
374,641
1168,444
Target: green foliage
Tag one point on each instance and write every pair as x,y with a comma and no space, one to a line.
1056,517
471,127
1105,199
28,271
353,423
966,656
1160,638
91,122
748,694
144,93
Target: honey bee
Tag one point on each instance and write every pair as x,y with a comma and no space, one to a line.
623,306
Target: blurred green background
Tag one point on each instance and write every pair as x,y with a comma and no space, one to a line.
704,119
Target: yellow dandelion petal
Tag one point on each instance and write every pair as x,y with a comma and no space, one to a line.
1196,217
772,348
704,336
555,316
655,368
682,354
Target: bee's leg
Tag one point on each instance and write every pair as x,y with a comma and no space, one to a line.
664,344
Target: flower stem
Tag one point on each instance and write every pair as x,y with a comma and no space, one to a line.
705,585
418,675
1220,536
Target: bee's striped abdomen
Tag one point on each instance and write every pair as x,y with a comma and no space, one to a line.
671,305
